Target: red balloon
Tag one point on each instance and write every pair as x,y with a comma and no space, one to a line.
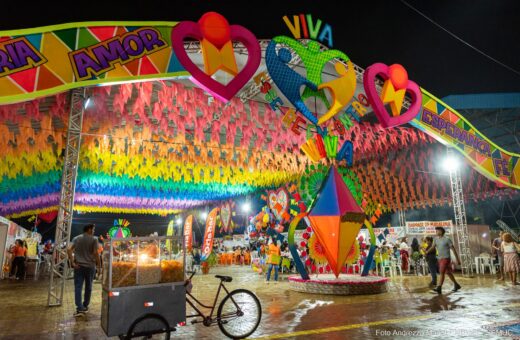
327,268
321,270
308,262
313,267
303,244
306,236
304,253
309,229
215,28
398,76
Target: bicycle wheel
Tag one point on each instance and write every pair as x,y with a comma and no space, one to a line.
160,329
239,314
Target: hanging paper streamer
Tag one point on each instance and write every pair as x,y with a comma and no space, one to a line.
209,234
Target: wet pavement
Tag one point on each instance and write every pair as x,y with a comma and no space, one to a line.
408,310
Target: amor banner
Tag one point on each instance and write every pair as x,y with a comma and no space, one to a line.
42,61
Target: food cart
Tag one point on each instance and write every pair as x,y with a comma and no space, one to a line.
143,286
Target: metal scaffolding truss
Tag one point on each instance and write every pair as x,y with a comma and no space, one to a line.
500,125
508,229
402,218
461,227
60,266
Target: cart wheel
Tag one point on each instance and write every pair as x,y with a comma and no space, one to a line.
239,314
149,321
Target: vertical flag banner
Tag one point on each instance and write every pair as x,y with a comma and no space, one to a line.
187,233
209,234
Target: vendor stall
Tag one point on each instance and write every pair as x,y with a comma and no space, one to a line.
144,279
9,233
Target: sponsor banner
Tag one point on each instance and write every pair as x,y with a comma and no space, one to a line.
427,227
209,234
188,233
393,231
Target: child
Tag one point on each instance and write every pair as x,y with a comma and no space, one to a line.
431,259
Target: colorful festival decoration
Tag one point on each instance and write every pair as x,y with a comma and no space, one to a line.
209,234
316,250
216,37
188,234
449,127
303,27
120,229
279,204
61,57
336,219
396,85
158,135
226,212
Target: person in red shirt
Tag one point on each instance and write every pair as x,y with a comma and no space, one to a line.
18,265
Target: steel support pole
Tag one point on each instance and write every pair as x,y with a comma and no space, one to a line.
60,265
461,227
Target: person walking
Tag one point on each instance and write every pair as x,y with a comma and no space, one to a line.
431,259
443,245
19,256
499,256
511,260
83,255
273,260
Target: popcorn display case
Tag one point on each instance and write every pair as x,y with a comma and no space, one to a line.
142,276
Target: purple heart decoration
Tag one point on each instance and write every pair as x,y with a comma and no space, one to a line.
386,120
190,29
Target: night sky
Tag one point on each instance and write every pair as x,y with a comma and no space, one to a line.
368,32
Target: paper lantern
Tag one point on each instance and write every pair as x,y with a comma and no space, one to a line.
336,220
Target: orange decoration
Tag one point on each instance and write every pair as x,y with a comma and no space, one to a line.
398,76
215,28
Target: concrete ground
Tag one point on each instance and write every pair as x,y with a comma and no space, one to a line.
408,310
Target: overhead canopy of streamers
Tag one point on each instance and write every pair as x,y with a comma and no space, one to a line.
160,147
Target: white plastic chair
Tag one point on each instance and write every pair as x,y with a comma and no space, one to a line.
487,262
386,265
396,266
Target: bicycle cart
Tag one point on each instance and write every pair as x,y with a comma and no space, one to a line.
144,289
145,292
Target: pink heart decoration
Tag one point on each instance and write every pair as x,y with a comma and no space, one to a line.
225,216
190,29
386,120
279,202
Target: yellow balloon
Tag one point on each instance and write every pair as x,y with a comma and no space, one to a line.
266,218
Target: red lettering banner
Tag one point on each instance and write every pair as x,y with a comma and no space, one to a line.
187,233
209,234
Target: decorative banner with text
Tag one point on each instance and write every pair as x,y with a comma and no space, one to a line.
427,227
209,234
450,127
187,233
47,60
